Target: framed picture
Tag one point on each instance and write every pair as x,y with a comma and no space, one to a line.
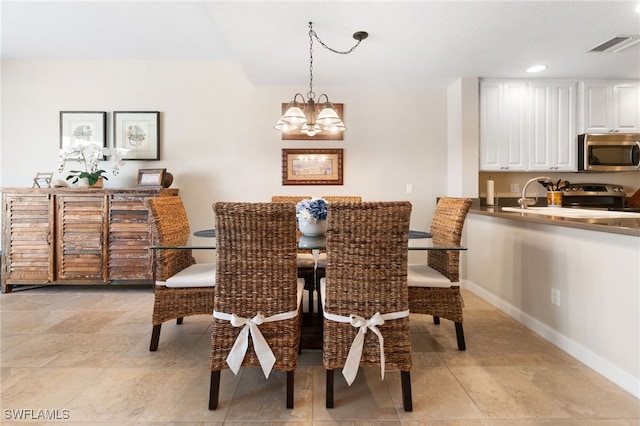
139,132
82,126
151,177
298,135
312,167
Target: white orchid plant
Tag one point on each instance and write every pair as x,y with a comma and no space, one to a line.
311,210
90,153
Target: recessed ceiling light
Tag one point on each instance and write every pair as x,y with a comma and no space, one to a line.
537,68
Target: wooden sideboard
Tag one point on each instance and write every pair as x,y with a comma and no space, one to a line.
76,236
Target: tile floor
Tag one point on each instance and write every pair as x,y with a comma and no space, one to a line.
82,354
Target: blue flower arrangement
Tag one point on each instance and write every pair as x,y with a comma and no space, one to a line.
312,210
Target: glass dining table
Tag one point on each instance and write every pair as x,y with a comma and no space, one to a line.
312,321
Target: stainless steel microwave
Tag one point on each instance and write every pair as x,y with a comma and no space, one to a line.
610,152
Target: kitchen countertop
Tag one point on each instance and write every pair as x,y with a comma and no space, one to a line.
626,226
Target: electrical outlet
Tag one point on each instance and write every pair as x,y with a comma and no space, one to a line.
515,187
555,296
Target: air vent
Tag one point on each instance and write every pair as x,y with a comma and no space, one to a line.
617,44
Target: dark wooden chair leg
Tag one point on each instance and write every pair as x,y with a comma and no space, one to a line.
436,320
179,320
460,336
290,375
405,379
155,337
329,389
214,390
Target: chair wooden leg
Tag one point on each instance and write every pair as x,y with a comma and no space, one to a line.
179,320
460,336
329,389
405,379
436,320
155,337
290,389
214,390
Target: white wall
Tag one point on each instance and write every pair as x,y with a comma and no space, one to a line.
464,141
217,135
514,265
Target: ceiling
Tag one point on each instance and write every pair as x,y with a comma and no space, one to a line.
411,44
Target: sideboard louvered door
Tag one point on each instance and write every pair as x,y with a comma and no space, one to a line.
28,253
129,238
81,228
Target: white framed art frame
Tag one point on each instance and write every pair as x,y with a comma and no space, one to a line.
138,132
82,126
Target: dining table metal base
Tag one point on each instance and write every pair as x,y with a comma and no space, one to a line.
311,335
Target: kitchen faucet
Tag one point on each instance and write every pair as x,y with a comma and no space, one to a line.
524,201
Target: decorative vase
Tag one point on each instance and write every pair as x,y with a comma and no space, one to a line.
312,229
99,183
167,180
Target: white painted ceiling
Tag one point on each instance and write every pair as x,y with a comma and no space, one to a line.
411,44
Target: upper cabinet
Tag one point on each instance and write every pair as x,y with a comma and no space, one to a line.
552,125
608,106
503,125
528,125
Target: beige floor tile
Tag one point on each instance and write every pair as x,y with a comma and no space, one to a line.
16,321
185,396
508,392
447,422
51,388
367,399
122,395
584,393
436,395
260,399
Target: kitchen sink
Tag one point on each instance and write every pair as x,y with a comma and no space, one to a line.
573,212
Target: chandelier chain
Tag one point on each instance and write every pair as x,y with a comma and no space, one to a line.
311,94
312,35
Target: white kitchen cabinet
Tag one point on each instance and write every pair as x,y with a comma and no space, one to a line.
608,106
552,141
503,125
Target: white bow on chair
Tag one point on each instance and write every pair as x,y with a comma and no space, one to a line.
239,349
350,369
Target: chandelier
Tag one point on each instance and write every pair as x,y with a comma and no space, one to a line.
308,121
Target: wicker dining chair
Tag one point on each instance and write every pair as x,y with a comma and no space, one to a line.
258,295
322,263
182,286
305,259
295,199
342,198
366,280
433,288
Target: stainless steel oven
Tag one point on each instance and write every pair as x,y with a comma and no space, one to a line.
611,152
594,195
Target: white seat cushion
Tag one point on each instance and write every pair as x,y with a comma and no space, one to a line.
421,275
196,275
